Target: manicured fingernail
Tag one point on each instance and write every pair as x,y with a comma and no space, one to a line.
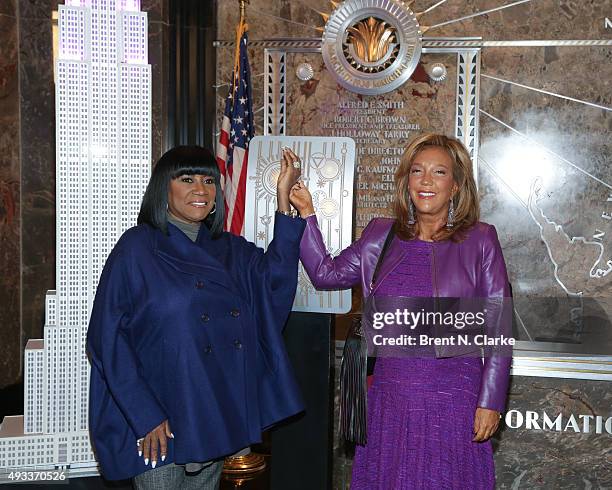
139,454
146,460
172,435
153,463
163,458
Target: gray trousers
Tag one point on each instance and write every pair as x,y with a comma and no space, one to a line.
174,477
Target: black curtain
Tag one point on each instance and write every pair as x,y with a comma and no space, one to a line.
192,62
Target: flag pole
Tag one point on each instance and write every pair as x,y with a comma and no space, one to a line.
243,466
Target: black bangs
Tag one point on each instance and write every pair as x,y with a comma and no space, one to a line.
196,170
190,160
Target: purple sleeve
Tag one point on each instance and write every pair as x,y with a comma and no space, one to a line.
495,291
325,271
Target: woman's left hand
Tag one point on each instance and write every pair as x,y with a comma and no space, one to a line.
486,423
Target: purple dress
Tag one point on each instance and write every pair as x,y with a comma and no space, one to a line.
421,410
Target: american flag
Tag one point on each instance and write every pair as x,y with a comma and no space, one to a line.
236,132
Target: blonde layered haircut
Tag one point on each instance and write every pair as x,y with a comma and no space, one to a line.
465,200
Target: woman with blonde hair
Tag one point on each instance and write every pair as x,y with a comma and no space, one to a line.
430,415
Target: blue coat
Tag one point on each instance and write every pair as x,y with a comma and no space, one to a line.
192,333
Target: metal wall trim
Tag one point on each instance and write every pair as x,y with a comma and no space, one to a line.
465,43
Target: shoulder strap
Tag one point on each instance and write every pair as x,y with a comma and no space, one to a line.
388,241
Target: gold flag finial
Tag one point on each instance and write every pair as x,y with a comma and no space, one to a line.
243,4
240,30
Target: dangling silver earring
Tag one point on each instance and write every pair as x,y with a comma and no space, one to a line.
451,214
214,209
411,219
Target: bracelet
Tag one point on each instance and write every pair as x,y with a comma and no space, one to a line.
291,213
308,215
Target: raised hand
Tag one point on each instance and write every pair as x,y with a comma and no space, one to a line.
301,199
290,172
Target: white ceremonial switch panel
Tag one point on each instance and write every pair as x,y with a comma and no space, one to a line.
327,170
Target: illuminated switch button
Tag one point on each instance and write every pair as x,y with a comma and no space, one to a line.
235,313
199,285
204,317
237,344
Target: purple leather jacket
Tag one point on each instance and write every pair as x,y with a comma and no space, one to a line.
472,268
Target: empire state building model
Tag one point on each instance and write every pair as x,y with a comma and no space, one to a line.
103,141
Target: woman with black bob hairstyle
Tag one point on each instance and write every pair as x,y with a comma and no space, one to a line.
185,336
182,160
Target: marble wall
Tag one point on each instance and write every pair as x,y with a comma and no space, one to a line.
27,163
575,453
545,183
157,11
10,196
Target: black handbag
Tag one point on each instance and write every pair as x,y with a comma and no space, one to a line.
355,367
